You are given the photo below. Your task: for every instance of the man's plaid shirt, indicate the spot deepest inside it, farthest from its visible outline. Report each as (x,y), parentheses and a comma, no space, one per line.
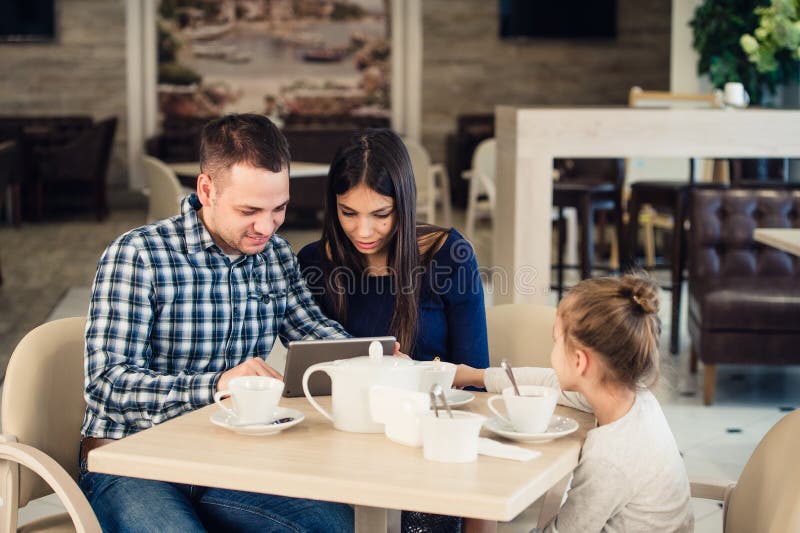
(169,313)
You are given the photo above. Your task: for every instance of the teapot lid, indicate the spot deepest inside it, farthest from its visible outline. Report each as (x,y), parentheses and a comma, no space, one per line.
(375,359)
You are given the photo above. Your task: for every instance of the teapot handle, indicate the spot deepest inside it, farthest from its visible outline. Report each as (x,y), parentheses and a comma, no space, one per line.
(319,367)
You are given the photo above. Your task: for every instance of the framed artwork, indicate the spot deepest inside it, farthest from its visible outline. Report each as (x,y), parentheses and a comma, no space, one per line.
(301,62)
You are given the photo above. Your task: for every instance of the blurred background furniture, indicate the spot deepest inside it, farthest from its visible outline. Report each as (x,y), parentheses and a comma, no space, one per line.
(433,184)
(766,494)
(11,174)
(590,186)
(744,297)
(164,190)
(42,411)
(178,140)
(481,198)
(32,133)
(471,129)
(659,195)
(77,166)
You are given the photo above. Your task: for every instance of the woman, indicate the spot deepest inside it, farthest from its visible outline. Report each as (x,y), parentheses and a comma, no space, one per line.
(378,272)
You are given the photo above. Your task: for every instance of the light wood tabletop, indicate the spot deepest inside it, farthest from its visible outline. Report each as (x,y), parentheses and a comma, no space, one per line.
(786,239)
(314,460)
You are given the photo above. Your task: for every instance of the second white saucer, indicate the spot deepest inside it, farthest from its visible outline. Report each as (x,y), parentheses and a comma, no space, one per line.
(559,427)
(456,398)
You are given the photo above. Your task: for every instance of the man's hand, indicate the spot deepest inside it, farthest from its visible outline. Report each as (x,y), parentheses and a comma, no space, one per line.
(252,367)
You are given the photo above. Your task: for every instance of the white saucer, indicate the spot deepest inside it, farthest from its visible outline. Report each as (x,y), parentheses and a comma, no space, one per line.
(228,421)
(559,426)
(456,398)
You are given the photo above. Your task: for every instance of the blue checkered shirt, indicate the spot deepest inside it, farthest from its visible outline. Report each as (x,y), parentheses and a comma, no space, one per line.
(170,312)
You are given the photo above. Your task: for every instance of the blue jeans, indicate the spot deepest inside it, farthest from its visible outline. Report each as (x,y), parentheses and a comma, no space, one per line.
(125,504)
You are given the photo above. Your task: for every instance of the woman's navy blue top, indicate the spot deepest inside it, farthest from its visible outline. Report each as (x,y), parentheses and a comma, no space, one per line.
(451,322)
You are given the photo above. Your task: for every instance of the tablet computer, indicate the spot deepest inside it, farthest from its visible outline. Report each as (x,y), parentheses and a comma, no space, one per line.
(303,354)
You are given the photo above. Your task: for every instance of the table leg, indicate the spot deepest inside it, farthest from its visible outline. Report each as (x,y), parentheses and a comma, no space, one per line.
(552,501)
(376,519)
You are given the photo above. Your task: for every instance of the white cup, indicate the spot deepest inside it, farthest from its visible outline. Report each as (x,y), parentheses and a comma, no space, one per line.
(436,372)
(735,95)
(255,399)
(451,440)
(530,412)
(399,410)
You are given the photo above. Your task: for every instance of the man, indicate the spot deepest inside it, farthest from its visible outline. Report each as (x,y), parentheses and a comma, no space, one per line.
(179,308)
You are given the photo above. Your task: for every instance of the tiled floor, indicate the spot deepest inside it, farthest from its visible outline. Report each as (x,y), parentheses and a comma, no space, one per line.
(716,441)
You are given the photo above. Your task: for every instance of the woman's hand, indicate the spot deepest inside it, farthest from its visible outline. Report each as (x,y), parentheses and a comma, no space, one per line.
(398,353)
(466,376)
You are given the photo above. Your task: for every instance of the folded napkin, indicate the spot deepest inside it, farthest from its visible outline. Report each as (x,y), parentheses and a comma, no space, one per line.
(492,448)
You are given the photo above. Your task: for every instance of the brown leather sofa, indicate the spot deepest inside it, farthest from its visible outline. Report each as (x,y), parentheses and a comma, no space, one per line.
(744,297)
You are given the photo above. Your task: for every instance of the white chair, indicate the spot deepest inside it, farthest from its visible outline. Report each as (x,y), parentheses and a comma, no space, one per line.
(42,411)
(164,188)
(766,496)
(481,183)
(433,184)
(521,333)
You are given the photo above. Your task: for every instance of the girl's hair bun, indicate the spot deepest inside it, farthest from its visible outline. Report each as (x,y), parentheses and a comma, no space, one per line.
(642,291)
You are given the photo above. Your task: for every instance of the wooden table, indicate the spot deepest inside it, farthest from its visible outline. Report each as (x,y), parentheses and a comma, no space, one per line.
(786,239)
(307,194)
(313,460)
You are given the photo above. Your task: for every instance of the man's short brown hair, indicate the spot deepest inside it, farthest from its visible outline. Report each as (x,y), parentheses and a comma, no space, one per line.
(245,138)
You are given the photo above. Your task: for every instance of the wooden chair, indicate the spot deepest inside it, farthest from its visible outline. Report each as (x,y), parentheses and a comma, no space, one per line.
(765,496)
(83,162)
(42,411)
(662,203)
(589,186)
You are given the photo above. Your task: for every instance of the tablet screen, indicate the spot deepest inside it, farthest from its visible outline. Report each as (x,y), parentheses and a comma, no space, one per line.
(303,354)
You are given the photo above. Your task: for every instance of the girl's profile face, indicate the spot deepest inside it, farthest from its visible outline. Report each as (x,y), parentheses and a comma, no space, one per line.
(560,359)
(367,218)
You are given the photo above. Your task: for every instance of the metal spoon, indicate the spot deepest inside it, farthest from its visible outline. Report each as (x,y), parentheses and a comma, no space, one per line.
(505,365)
(433,403)
(437,390)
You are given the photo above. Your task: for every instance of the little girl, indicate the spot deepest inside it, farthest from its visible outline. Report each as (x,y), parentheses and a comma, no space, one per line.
(630,476)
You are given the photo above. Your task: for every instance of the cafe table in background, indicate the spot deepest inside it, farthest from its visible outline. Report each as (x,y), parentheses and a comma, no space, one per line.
(314,460)
(786,239)
(306,183)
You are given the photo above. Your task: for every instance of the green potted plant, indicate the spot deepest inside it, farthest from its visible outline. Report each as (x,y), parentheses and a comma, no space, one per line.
(774,46)
(717,27)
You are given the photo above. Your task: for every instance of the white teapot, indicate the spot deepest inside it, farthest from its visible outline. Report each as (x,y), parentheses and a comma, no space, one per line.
(351,380)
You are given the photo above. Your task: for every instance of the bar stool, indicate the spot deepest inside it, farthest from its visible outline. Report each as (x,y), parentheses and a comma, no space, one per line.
(671,196)
(590,186)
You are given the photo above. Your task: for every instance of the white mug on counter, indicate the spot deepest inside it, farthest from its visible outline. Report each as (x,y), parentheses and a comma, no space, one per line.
(734,95)
(255,399)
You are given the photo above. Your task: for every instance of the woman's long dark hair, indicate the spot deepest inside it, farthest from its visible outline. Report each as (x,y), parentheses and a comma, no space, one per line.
(378,159)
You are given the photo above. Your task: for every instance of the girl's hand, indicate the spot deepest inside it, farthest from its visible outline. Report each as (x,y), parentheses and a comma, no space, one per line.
(466,376)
